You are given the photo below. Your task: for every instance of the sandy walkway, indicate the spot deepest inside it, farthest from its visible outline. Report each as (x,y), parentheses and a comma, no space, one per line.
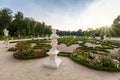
(65,48)
(13,69)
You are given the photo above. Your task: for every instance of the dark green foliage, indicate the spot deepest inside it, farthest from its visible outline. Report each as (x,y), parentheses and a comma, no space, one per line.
(30,56)
(5,19)
(65,54)
(25,51)
(44,46)
(68,41)
(106,61)
(70,33)
(86,56)
(116,27)
(21,26)
(94,65)
(12,49)
(83,55)
(91,56)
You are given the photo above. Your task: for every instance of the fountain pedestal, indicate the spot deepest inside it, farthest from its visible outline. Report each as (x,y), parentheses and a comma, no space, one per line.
(53,61)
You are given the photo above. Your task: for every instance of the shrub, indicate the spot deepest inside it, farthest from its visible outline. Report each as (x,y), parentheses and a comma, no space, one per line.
(106,61)
(91,56)
(100,64)
(30,56)
(65,54)
(117,43)
(25,51)
(23,46)
(12,49)
(45,47)
(68,41)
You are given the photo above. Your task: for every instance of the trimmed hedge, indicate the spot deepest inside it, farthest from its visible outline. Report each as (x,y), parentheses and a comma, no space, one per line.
(12,49)
(68,41)
(65,54)
(87,63)
(45,47)
(30,56)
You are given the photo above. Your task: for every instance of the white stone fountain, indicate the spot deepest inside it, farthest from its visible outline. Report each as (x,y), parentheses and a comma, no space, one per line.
(53,61)
(6,41)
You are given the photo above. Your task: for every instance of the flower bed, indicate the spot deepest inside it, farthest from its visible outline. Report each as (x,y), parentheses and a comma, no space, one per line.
(105,64)
(98,58)
(31,55)
(25,51)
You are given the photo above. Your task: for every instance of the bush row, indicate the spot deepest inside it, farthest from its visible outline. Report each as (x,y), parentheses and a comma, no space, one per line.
(87,63)
(30,56)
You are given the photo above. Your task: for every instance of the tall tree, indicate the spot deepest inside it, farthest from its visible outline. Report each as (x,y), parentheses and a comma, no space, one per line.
(116,27)
(38,29)
(89,32)
(105,31)
(33,24)
(18,23)
(5,19)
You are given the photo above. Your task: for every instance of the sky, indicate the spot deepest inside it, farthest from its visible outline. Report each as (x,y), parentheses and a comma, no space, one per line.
(67,14)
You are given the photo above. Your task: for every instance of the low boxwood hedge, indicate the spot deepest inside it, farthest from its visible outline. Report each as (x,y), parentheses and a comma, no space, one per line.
(84,61)
(32,56)
(65,54)
(12,49)
(44,46)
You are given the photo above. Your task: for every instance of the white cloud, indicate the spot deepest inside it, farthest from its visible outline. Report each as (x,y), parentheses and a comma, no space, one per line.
(100,13)
(95,14)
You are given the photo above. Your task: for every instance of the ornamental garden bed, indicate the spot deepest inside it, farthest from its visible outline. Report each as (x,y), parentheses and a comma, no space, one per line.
(104,63)
(97,57)
(24,50)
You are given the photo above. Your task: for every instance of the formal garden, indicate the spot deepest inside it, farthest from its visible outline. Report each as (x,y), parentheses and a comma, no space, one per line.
(93,53)
(35,50)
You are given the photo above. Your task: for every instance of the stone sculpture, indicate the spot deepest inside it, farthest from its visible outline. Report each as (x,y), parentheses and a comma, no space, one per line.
(53,61)
(6,33)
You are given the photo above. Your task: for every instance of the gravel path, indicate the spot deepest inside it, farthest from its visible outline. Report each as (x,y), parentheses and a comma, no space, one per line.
(13,69)
(65,48)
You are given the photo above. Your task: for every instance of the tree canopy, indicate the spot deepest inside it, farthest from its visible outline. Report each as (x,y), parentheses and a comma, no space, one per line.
(19,25)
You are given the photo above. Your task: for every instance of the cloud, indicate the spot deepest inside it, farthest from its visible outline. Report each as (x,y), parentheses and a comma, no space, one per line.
(100,13)
(68,15)
(96,14)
